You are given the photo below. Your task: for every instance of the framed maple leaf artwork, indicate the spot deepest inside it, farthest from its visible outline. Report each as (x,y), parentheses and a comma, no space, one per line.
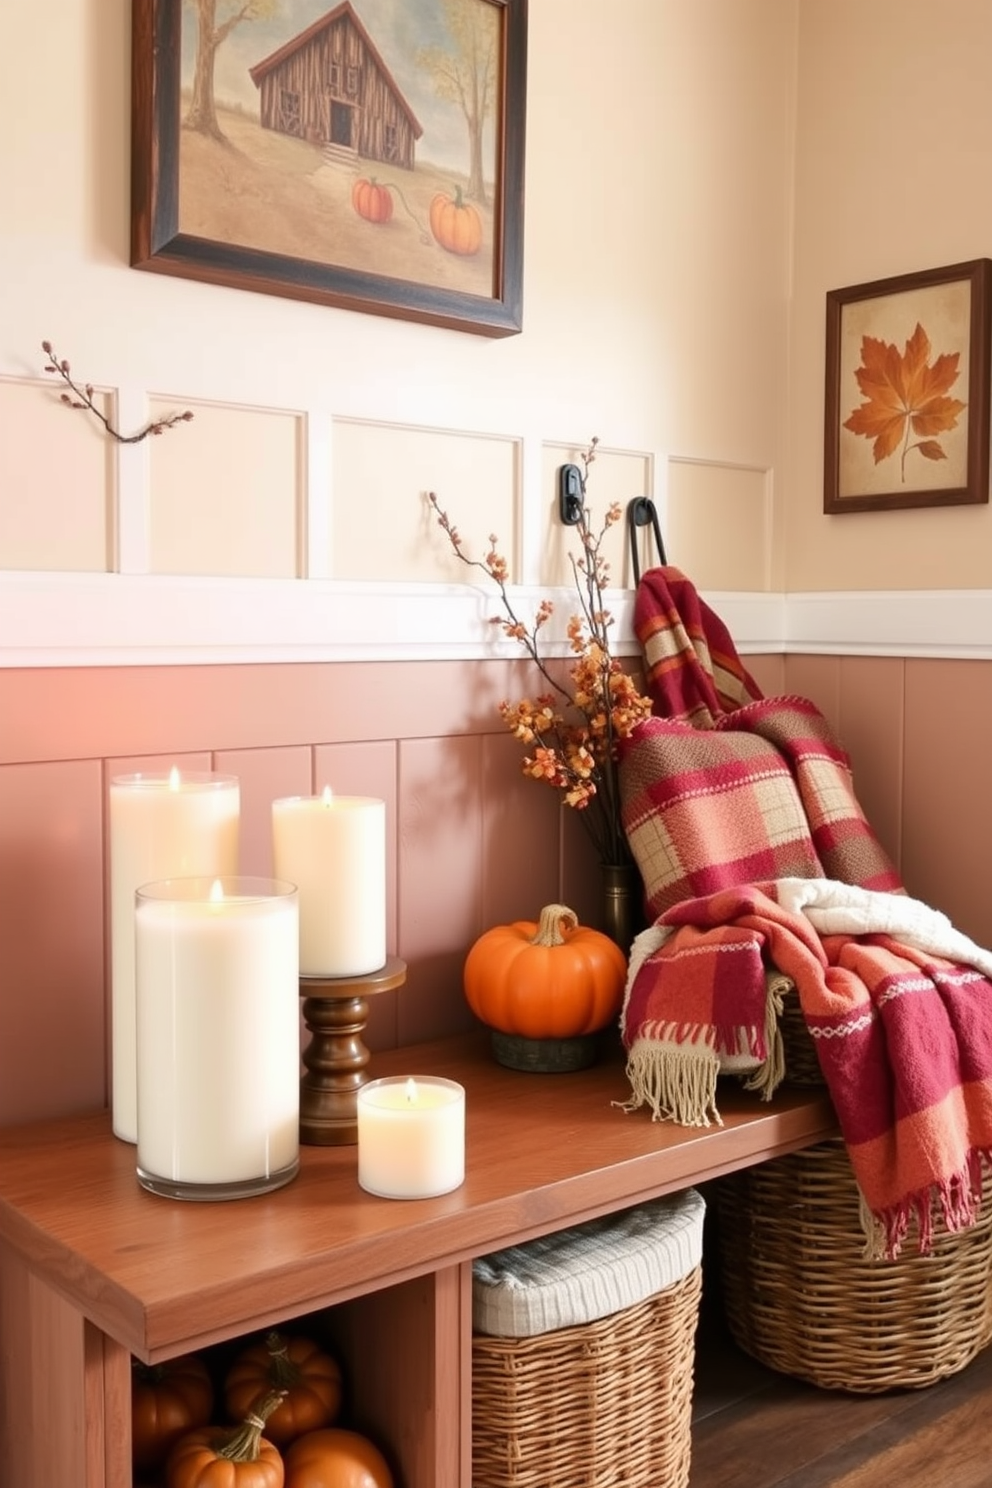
(907,390)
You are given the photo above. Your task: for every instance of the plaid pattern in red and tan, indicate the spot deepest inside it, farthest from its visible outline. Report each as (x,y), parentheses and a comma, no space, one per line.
(842,837)
(693,671)
(705,810)
(904,1037)
(701,816)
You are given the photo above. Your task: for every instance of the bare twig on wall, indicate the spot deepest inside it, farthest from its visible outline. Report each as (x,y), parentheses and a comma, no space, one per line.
(81,396)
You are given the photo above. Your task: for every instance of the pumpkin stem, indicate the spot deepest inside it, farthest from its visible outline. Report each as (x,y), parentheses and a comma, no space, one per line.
(283,1373)
(243,1443)
(553,917)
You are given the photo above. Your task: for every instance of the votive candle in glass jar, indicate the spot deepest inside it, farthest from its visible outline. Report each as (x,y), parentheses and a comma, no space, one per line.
(176,825)
(217,1036)
(411,1136)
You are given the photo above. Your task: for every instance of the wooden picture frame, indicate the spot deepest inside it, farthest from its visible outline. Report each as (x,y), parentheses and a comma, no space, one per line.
(907,391)
(293,168)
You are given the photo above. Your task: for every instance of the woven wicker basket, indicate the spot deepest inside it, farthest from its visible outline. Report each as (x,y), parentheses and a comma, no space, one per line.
(799,1297)
(592,1406)
(802,1066)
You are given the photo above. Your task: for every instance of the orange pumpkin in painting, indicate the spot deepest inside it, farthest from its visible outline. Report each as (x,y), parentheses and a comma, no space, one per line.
(372,201)
(455,223)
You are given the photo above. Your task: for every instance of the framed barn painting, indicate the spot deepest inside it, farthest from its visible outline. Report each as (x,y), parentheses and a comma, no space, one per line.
(907,391)
(367,154)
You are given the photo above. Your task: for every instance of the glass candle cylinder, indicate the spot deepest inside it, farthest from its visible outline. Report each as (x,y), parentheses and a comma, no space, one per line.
(411,1136)
(177,825)
(334,849)
(217,1036)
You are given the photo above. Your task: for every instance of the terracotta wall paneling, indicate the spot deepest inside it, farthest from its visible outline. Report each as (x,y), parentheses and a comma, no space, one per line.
(947,799)
(53,1014)
(471,841)
(86,712)
(873,730)
(264,776)
(581,877)
(440,880)
(768,672)
(520,858)
(817,678)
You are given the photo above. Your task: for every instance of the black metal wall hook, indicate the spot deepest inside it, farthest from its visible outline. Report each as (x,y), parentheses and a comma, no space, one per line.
(640,511)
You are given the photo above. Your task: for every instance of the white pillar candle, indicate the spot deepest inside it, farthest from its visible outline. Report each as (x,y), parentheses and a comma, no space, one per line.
(411,1136)
(218,1050)
(334,849)
(161,826)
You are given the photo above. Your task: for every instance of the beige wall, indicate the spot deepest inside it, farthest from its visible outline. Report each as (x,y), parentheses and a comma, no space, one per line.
(893,146)
(692,192)
(657,203)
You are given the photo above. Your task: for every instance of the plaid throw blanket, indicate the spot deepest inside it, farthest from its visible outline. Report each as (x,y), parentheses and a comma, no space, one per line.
(898,1002)
(724,786)
(693,671)
(766,794)
(842,838)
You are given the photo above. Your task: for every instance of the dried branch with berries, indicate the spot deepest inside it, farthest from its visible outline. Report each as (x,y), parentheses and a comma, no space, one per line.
(80,395)
(572,732)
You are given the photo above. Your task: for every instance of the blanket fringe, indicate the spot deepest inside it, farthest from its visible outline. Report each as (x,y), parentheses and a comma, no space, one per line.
(769,1075)
(957,1202)
(876,1238)
(677,1082)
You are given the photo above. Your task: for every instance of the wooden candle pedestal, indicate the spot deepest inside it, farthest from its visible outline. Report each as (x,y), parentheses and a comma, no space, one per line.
(336,1011)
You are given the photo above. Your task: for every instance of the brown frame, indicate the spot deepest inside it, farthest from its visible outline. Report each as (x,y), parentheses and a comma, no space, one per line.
(956,300)
(159,246)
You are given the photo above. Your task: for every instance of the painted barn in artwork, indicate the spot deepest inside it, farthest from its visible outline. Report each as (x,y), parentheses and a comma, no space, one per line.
(330,85)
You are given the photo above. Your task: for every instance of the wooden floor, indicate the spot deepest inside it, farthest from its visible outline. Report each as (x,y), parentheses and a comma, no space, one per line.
(753,1428)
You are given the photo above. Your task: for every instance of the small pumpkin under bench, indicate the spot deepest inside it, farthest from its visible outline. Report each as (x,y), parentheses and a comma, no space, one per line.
(545,989)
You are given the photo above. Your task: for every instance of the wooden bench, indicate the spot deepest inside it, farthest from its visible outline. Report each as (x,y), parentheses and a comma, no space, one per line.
(94,1270)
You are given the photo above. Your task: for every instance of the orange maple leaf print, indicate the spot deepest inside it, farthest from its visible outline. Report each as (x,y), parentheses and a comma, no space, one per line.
(905,397)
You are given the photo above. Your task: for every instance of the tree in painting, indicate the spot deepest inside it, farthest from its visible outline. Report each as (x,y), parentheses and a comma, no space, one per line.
(211,32)
(469,75)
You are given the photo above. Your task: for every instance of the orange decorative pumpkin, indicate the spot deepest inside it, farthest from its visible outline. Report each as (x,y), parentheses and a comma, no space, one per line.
(229,1456)
(372,201)
(309,1378)
(167,1400)
(336,1459)
(554,979)
(455,223)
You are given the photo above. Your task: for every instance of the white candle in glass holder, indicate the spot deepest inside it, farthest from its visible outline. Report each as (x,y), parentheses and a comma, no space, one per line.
(334,849)
(218,1055)
(411,1136)
(173,825)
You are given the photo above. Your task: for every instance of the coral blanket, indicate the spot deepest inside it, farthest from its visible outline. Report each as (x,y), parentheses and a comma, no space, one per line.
(899,1005)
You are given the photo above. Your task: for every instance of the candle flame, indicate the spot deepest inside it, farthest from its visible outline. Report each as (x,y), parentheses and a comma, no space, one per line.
(174,778)
(216,892)
(411,1091)
(327,796)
